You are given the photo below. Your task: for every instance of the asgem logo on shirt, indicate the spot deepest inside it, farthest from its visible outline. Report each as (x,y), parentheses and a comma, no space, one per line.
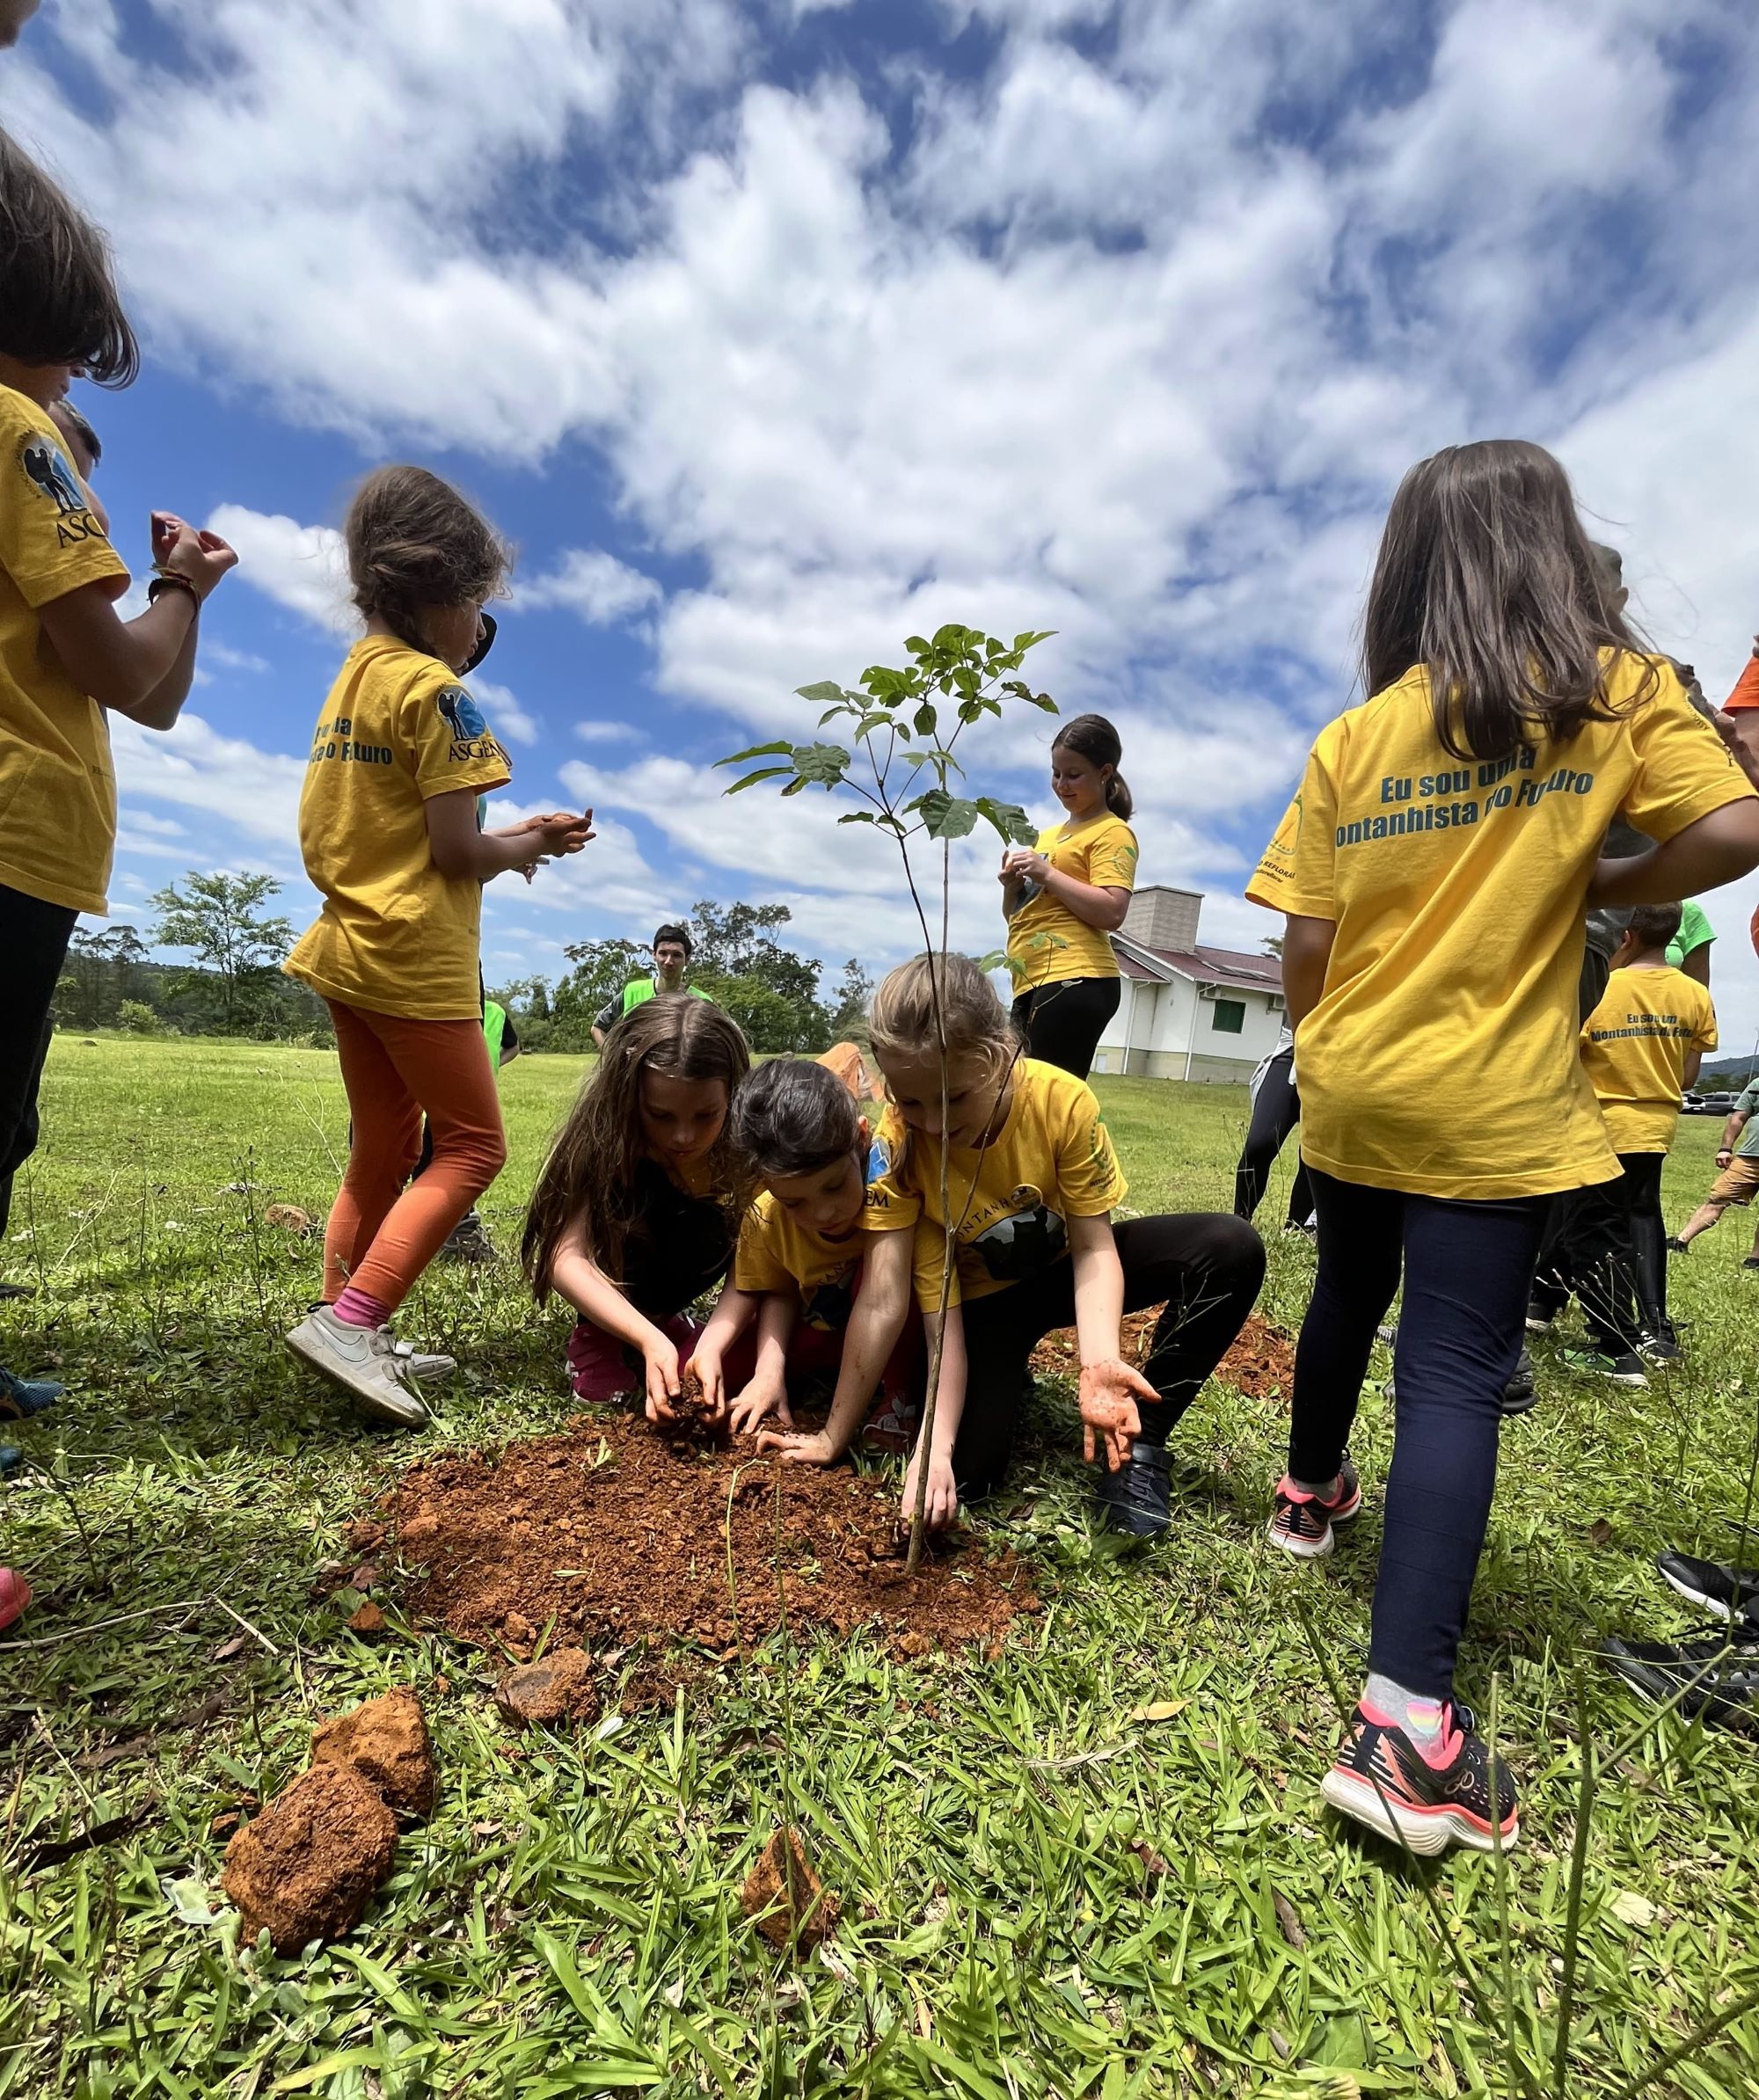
(51,477)
(471,737)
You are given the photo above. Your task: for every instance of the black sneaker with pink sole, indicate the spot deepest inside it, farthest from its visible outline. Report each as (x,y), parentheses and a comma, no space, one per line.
(1301,1523)
(1382,1780)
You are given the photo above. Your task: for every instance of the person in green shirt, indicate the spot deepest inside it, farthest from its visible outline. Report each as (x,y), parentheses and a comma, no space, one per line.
(671,951)
(1690,949)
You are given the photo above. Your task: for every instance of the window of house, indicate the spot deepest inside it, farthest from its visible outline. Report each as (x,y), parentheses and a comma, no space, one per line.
(1229,1017)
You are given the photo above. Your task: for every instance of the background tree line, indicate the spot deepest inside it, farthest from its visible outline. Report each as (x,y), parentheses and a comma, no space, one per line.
(776,995)
(234,986)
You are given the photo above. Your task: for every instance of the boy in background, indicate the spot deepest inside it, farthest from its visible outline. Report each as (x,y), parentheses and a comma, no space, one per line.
(1641,1047)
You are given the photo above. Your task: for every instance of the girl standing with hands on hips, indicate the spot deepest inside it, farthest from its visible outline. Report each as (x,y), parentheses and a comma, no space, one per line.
(1435,867)
(1065,896)
(389,826)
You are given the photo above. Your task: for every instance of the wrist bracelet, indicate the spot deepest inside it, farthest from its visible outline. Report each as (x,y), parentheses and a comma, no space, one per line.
(168,579)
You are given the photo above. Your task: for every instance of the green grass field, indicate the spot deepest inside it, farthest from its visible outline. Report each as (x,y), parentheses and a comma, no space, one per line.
(1041,1896)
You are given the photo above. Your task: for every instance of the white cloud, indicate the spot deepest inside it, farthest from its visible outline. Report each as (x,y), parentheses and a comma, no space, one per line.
(506,717)
(194,766)
(227,659)
(301,566)
(608,732)
(593,584)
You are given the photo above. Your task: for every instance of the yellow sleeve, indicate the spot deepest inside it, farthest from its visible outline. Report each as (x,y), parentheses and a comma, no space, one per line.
(1089,1180)
(1112,864)
(1705,1036)
(928,1258)
(50,542)
(1294,874)
(891,1203)
(450,745)
(757,1266)
(1684,771)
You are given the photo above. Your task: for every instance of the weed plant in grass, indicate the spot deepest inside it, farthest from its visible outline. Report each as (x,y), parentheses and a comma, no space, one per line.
(1041,1894)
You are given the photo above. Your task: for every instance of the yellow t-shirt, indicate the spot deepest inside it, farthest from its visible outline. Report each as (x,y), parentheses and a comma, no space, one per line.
(1441,1060)
(57,785)
(776,1252)
(1052,1160)
(395,936)
(1047,942)
(1634,1049)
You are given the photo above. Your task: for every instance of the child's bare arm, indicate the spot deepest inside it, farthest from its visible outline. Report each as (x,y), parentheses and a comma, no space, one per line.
(871,1335)
(459,848)
(1306,951)
(575,1276)
(942,1505)
(734,1311)
(1111,1389)
(768,1391)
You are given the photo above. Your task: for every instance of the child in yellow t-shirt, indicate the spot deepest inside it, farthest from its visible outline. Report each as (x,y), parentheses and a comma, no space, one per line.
(1435,866)
(1064,898)
(389,830)
(1641,1048)
(797,1275)
(1031,1182)
(65,657)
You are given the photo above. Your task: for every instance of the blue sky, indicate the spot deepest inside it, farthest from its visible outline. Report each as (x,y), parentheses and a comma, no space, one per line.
(774,332)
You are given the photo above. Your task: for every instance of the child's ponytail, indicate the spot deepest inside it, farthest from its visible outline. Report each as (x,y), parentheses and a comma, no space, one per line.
(1092,737)
(1486,578)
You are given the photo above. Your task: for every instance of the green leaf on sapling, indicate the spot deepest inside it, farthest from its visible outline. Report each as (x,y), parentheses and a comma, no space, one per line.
(821,764)
(948,816)
(926,720)
(762,773)
(859,816)
(823,693)
(779,750)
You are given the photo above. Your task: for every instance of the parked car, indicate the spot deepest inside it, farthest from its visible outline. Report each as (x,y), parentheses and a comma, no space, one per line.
(1708,1104)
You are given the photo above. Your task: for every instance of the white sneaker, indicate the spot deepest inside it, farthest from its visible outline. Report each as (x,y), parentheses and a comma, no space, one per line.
(420,1364)
(364,1360)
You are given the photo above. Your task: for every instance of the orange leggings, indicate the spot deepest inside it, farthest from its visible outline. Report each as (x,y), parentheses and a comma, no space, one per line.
(384,1228)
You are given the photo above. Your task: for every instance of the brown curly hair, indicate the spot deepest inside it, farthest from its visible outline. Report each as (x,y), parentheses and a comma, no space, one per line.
(413,540)
(589,1178)
(58,300)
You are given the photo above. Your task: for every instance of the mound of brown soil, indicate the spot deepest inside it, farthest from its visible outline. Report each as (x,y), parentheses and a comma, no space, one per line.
(1261,1363)
(386,1739)
(612,1532)
(307,1866)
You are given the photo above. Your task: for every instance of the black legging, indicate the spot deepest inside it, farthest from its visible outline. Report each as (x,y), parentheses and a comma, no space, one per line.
(1467,1269)
(1060,1024)
(1204,1268)
(34,937)
(1276,1109)
(1595,1245)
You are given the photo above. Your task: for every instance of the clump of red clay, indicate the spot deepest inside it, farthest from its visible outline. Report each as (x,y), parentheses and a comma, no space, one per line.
(785,1900)
(307,1866)
(615,1533)
(1261,1363)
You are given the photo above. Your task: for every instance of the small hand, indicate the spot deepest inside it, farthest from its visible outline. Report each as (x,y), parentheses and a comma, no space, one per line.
(706,1365)
(561,832)
(1024,864)
(796,1450)
(757,1402)
(1110,1390)
(662,1379)
(942,1504)
(180,549)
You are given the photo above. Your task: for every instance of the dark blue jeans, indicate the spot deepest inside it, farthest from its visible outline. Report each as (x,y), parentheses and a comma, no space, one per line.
(1467,1268)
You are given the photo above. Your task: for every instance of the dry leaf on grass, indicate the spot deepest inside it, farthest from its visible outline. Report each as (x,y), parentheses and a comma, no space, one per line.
(1163,1709)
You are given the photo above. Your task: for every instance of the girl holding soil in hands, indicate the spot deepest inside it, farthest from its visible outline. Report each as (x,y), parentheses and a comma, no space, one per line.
(1032,1181)
(389,826)
(638,1209)
(1064,897)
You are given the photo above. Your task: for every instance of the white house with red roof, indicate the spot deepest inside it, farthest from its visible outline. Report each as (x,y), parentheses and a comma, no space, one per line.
(1188,1010)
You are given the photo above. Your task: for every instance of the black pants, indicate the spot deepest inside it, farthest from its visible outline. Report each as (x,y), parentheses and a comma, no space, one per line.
(1467,1270)
(1062,1024)
(1276,1109)
(1593,1246)
(1207,1270)
(33,939)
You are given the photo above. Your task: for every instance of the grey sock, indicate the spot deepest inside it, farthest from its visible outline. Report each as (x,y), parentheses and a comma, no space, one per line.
(1325,1490)
(1417,1716)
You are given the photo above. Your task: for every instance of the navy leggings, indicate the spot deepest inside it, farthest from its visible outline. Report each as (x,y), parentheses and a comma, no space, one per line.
(1467,1268)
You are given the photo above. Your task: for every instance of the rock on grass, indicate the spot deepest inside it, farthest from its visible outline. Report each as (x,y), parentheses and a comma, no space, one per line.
(784,1898)
(559,1688)
(307,1866)
(386,1740)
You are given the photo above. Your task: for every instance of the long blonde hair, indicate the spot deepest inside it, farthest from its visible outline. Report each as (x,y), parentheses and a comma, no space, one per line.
(976,1022)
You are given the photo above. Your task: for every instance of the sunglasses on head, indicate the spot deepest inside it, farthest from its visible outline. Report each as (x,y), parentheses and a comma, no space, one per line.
(483,646)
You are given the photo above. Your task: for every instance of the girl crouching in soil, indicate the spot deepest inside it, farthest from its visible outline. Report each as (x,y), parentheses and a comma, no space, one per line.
(800,1267)
(637,1211)
(1031,1182)
(391,834)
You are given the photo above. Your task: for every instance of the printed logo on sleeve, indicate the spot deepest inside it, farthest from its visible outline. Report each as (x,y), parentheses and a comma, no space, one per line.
(46,470)
(471,736)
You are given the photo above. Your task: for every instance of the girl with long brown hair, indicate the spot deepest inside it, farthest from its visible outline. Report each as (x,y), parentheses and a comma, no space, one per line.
(1434,867)
(1066,895)
(638,1209)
